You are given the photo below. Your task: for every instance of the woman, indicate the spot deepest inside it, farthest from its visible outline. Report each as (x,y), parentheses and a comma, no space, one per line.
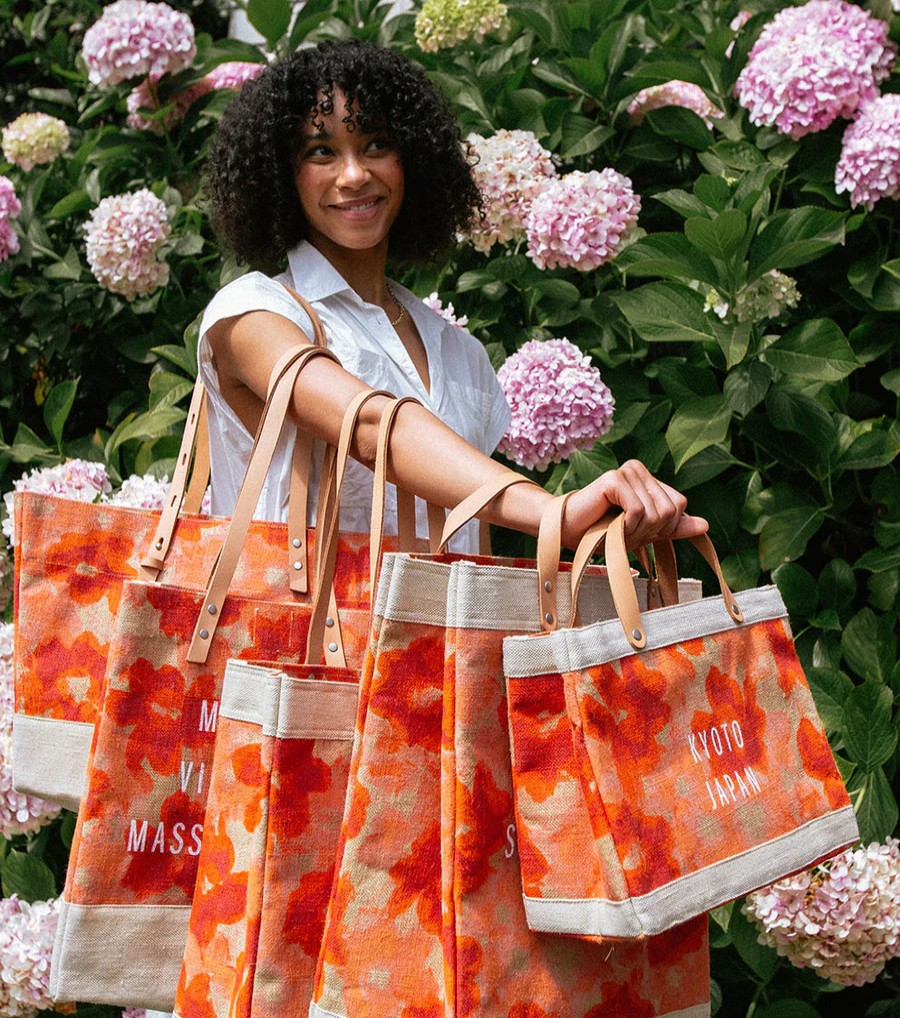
(337,159)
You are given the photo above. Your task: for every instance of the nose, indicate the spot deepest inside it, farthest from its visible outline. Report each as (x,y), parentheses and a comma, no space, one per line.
(352,172)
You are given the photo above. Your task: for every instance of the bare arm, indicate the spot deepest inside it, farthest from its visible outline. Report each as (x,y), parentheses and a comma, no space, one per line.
(427,457)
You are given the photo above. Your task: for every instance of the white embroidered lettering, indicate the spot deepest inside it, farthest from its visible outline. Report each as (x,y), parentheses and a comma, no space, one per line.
(752,779)
(187,769)
(510,850)
(723,798)
(177,846)
(738,734)
(159,839)
(711,797)
(692,743)
(716,741)
(137,837)
(745,791)
(730,785)
(200,778)
(196,838)
(727,736)
(209,715)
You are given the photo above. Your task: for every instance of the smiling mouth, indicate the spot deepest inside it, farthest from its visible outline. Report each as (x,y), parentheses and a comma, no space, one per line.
(358,206)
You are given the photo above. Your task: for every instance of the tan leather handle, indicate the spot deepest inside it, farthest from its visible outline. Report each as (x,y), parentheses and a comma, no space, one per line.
(199,482)
(326,533)
(271,423)
(622,587)
(548,549)
(473,504)
(194,428)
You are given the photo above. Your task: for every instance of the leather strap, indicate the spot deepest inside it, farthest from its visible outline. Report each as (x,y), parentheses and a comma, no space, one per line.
(155,556)
(548,549)
(591,540)
(193,499)
(326,533)
(271,423)
(437,517)
(473,504)
(622,587)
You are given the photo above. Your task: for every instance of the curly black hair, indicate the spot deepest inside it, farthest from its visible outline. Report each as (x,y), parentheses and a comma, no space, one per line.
(249,173)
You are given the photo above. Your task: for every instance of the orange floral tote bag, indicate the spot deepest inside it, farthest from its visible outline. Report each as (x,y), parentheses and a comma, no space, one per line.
(702,756)
(273,817)
(71,560)
(134,855)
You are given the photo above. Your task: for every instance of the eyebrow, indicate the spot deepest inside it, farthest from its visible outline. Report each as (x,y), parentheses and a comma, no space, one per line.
(316,136)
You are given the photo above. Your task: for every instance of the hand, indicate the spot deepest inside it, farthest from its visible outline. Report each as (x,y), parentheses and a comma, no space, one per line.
(652,509)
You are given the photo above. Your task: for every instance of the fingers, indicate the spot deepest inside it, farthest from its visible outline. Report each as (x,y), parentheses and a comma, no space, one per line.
(653,510)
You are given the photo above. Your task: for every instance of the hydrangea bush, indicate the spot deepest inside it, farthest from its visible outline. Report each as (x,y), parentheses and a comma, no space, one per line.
(699,197)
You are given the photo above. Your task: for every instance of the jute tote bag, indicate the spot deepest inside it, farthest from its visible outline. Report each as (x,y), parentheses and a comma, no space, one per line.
(562,855)
(133,864)
(703,754)
(273,818)
(71,560)
(426,914)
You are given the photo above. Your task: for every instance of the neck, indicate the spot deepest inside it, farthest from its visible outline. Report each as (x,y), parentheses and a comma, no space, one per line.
(363,270)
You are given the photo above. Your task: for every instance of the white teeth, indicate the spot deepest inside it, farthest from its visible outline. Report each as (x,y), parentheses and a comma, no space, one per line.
(359,208)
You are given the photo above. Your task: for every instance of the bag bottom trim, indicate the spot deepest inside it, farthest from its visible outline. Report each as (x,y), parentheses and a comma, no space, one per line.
(696,1011)
(50,758)
(125,955)
(704,889)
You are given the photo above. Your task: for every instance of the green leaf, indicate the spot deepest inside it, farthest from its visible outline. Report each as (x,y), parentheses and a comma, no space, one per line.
(719,237)
(745,936)
(876,807)
(179,356)
(785,534)
(28,446)
(668,312)
(798,588)
(869,645)
(869,736)
(681,125)
(67,828)
(816,350)
(877,560)
(57,407)
(795,237)
(891,381)
(74,201)
(167,389)
(875,448)
(28,877)
(585,143)
(145,427)
(681,202)
(473,281)
(713,191)
(667,254)
(587,465)
(68,267)
(270,18)
(746,386)
(829,689)
(837,585)
(696,425)
(558,289)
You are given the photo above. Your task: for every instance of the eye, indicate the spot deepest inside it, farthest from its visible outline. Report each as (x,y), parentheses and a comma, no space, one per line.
(317,151)
(381,143)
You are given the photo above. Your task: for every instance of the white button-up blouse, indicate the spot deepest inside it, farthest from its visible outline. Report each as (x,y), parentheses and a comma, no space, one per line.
(464,394)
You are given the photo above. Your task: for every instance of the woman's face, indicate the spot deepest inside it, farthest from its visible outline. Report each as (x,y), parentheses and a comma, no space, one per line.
(350,182)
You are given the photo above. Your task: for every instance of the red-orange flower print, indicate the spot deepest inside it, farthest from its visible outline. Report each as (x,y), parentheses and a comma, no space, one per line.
(410,690)
(305,914)
(645,838)
(301,774)
(621,1001)
(85,563)
(56,668)
(818,762)
(483,816)
(417,880)
(734,700)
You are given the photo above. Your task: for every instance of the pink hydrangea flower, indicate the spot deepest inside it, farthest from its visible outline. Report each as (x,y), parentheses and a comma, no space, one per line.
(34,139)
(234,74)
(124,235)
(581,220)
(9,242)
(10,206)
(841,919)
(511,169)
(78,479)
(674,93)
(19,813)
(813,64)
(134,1012)
(447,312)
(558,400)
(869,166)
(26,944)
(135,38)
(147,492)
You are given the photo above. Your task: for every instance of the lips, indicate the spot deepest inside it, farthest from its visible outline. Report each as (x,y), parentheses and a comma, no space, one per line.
(358,206)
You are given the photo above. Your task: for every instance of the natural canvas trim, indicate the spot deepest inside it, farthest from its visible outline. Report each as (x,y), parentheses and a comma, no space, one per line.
(126,955)
(50,758)
(571,650)
(697,892)
(415,591)
(287,707)
(697,1011)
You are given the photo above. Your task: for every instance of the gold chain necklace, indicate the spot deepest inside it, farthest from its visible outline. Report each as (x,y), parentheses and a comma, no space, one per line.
(399,317)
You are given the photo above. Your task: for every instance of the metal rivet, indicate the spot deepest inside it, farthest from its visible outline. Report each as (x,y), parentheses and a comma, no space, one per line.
(548,586)
(329,621)
(297,542)
(159,542)
(735,609)
(204,634)
(313,678)
(212,609)
(636,633)
(298,566)
(549,617)
(332,647)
